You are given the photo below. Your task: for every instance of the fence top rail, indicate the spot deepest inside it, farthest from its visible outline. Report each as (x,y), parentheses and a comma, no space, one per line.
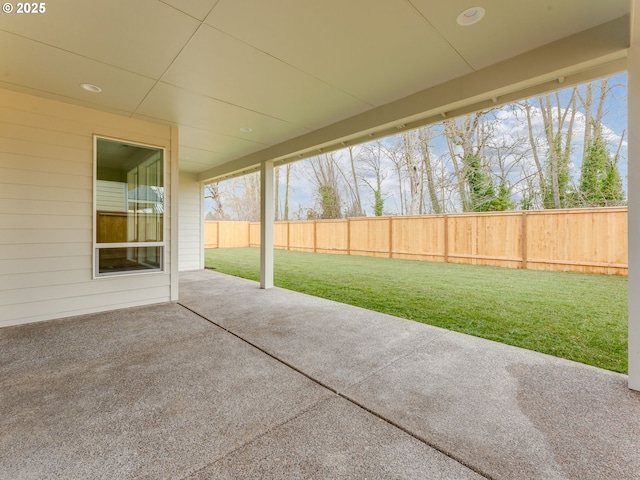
(559,211)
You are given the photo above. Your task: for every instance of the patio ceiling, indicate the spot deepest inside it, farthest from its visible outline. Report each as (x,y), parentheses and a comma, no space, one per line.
(248,81)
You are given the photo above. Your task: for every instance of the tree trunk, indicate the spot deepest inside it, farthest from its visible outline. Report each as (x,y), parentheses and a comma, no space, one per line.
(534,150)
(286,192)
(358,203)
(425,137)
(412,172)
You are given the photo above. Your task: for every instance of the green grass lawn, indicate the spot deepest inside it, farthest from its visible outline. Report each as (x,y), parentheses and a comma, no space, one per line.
(576,316)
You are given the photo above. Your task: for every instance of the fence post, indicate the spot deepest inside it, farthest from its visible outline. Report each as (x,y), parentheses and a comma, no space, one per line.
(315,236)
(445,218)
(524,239)
(348,236)
(390,237)
(218,234)
(288,235)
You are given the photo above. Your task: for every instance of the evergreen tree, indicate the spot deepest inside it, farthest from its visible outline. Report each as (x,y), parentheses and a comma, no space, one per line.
(329,201)
(612,185)
(482,193)
(378,205)
(556,192)
(600,183)
(502,201)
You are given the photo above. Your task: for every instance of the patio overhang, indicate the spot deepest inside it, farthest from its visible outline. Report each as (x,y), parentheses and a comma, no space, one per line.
(279,80)
(585,56)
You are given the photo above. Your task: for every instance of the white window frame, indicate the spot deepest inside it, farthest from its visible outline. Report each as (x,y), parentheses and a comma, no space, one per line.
(97,246)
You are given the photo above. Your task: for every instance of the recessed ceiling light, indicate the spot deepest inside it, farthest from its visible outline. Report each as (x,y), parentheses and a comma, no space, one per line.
(246,129)
(470,16)
(89,87)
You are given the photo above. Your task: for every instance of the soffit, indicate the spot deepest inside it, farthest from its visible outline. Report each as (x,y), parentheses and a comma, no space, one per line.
(218,66)
(513,27)
(141,36)
(376,51)
(198,9)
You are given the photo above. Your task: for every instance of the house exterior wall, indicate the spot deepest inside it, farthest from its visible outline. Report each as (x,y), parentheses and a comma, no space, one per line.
(46,211)
(191,229)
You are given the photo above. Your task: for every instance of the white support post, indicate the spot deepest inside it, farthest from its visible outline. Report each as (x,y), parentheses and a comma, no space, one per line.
(633,81)
(267,211)
(174,187)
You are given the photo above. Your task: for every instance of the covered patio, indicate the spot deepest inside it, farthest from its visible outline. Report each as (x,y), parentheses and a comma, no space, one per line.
(234,381)
(121,357)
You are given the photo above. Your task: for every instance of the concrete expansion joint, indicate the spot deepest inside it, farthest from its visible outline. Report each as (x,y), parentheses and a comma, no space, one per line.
(304,411)
(266,352)
(418,437)
(344,396)
(400,357)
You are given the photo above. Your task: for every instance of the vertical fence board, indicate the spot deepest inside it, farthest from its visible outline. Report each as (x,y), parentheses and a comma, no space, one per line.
(211,230)
(370,236)
(301,236)
(280,235)
(331,236)
(419,238)
(254,234)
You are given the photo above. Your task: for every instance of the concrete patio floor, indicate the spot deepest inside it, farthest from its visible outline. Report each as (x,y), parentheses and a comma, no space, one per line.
(237,382)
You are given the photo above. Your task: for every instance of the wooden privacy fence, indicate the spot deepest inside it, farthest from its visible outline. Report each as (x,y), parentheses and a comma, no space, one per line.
(577,240)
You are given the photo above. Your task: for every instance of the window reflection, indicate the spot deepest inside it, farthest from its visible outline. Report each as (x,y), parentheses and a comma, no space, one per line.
(129,207)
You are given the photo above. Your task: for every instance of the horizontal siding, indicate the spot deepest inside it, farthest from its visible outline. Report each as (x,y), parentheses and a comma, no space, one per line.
(20,206)
(36,251)
(55,194)
(190,229)
(39,278)
(71,119)
(45,237)
(43,136)
(17,176)
(45,264)
(42,150)
(40,164)
(54,221)
(70,306)
(20,296)
(46,211)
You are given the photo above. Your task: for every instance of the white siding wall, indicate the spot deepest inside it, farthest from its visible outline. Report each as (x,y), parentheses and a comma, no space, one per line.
(46,211)
(191,223)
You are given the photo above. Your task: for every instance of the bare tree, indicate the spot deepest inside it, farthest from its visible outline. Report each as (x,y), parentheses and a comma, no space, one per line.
(244,197)
(413,170)
(469,134)
(558,131)
(394,151)
(357,204)
(371,156)
(287,179)
(424,137)
(542,183)
(212,191)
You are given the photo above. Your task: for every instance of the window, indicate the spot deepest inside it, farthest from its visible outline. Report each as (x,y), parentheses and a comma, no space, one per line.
(129,208)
